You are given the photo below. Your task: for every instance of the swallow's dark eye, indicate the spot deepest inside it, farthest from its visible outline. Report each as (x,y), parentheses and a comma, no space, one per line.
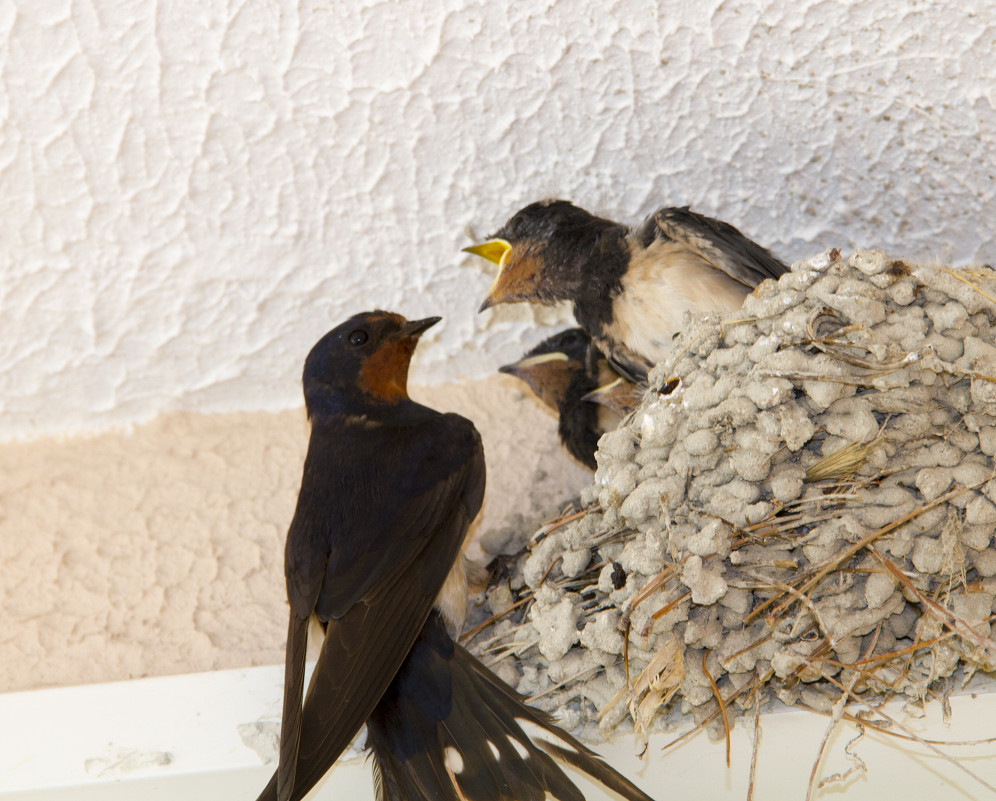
(358,337)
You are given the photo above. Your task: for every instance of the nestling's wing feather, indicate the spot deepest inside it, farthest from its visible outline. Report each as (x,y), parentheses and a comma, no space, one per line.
(720,244)
(631,366)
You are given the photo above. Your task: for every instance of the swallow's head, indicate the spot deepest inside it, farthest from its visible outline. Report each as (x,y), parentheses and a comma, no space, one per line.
(554,368)
(541,252)
(368,355)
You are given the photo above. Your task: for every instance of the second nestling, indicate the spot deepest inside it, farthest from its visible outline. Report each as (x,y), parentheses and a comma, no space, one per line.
(572,377)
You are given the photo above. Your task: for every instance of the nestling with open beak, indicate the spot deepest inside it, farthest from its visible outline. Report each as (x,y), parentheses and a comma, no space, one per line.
(629,287)
(388,492)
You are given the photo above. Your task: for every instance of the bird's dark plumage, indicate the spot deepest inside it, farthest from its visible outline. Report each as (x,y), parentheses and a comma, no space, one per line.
(629,287)
(563,370)
(448,729)
(388,492)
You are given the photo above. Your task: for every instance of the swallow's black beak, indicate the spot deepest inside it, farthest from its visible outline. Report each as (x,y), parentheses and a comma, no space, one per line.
(413,329)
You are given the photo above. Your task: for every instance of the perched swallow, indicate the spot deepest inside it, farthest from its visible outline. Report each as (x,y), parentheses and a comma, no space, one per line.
(629,287)
(388,492)
(564,371)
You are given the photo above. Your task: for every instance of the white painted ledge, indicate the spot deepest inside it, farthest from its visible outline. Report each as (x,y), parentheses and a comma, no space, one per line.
(178,737)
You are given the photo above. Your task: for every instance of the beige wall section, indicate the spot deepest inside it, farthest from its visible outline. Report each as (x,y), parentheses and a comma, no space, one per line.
(160,550)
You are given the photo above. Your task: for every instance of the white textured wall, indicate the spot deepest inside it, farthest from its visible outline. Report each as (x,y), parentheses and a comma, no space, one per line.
(192,192)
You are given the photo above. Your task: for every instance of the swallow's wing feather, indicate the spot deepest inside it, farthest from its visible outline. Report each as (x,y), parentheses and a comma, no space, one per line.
(631,366)
(719,243)
(290,722)
(305,562)
(370,501)
(406,544)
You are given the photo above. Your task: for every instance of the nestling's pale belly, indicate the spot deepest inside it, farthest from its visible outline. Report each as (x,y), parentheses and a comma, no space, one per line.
(664,282)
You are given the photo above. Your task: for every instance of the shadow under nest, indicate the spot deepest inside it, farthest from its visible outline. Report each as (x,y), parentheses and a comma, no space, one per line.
(807,515)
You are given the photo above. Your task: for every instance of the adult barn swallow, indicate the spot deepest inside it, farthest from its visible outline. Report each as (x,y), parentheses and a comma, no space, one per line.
(563,371)
(629,287)
(388,491)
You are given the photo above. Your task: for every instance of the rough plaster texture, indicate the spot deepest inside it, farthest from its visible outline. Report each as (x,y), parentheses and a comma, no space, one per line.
(192,192)
(161,551)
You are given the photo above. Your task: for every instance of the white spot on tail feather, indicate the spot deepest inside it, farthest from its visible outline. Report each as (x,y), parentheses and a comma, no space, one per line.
(494,750)
(453,760)
(520,749)
(539,734)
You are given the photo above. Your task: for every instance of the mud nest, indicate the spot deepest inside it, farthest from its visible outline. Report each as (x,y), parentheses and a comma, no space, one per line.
(802,507)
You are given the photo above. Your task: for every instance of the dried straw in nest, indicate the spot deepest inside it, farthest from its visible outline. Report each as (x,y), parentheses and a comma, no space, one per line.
(809,514)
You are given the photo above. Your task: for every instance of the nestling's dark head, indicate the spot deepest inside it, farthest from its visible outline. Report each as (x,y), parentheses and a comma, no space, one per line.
(546,219)
(541,252)
(553,367)
(365,358)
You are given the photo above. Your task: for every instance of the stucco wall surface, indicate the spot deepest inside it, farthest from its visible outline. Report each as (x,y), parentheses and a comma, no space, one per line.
(192,192)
